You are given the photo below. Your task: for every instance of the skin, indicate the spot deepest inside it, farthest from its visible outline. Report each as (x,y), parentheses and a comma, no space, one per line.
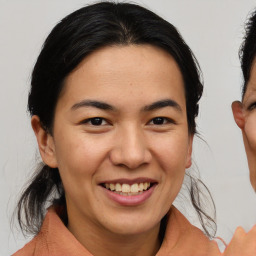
(128,144)
(242,243)
(245,116)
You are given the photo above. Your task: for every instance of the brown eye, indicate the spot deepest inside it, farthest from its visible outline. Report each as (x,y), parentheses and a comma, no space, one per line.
(159,120)
(95,121)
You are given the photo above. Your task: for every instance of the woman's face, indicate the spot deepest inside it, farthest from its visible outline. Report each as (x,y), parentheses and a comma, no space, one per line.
(120,139)
(245,116)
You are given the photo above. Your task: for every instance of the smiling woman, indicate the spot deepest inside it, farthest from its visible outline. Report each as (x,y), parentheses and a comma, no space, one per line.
(114,97)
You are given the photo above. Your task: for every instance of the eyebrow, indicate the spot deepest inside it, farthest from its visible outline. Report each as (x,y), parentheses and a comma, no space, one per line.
(105,106)
(93,103)
(162,104)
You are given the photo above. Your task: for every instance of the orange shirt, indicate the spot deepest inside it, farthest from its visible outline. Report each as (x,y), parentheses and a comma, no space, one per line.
(181,239)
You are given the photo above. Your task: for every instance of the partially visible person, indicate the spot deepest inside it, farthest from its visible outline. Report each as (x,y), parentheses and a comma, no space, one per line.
(242,243)
(245,111)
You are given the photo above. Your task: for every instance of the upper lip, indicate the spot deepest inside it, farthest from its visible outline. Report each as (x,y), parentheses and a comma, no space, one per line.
(129,181)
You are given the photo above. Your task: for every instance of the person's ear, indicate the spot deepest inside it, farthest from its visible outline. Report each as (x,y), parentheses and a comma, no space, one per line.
(45,143)
(237,108)
(189,155)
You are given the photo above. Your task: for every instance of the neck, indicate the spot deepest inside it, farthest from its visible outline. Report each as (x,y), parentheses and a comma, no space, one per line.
(101,242)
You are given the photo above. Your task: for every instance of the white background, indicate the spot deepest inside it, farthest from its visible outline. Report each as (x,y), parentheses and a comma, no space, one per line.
(212,28)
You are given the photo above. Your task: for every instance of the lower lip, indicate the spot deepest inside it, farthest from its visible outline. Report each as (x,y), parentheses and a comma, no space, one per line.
(130,200)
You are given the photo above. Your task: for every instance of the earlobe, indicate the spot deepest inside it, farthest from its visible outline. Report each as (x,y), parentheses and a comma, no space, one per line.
(237,108)
(45,143)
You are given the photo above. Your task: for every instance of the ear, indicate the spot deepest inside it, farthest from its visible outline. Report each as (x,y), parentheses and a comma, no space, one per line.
(45,143)
(189,155)
(237,108)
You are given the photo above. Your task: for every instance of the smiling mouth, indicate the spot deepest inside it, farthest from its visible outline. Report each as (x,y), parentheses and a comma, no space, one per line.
(128,190)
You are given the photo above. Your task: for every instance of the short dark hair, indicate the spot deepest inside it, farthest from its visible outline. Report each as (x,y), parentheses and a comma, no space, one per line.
(71,40)
(247,50)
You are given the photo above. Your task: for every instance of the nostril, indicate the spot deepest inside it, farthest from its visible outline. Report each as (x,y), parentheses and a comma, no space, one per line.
(130,151)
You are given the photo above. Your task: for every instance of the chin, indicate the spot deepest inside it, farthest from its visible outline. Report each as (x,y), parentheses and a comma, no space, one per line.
(132,226)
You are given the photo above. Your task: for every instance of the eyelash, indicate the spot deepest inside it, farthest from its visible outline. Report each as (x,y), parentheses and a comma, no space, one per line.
(96,119)
(252,106)
(99,120)
(164,120)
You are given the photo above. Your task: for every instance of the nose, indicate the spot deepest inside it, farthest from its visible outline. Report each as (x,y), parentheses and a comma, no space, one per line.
(130,149)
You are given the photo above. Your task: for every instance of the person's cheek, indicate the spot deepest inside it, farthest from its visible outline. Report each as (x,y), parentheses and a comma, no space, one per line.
(250,131)
(250,146)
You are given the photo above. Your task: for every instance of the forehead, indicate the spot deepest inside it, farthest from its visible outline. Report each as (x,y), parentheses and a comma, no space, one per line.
(126,72)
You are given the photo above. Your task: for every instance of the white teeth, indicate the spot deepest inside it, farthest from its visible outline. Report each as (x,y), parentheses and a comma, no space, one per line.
(127,189)
(112,187)
(135,188)
(118,187)
(141,187)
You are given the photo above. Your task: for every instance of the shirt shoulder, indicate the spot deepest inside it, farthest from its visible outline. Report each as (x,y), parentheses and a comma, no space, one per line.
(27,250)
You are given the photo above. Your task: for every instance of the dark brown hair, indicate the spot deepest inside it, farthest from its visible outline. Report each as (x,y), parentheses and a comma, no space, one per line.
(247,50)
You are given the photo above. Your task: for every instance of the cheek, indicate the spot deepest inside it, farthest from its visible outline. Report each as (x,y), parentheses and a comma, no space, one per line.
(78,156)
(172,154)
(79,159)
(250,130)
